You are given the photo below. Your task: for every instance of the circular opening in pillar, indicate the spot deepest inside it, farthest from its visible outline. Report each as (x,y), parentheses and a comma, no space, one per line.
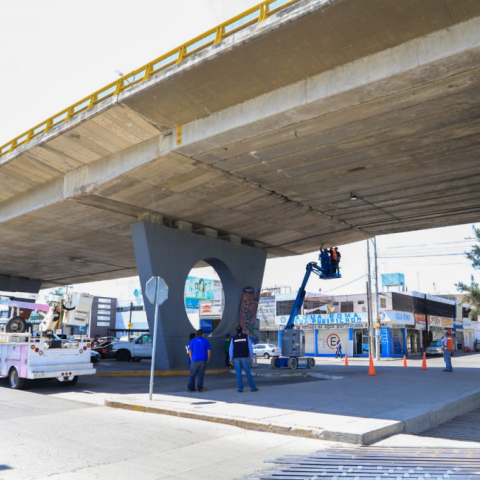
(204,298)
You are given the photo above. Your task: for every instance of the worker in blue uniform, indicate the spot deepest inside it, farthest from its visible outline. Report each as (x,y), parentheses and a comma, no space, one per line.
(325,262)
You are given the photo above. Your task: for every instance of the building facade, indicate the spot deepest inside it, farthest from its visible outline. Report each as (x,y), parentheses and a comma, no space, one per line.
(404,324)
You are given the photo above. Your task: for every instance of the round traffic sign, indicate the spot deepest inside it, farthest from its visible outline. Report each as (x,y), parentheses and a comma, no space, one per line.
(332,341)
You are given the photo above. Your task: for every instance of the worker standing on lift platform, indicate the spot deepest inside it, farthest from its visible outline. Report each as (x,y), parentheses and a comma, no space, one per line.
(325,262)
(335,256)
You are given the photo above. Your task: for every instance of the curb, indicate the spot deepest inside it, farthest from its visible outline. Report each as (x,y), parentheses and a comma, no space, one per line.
(351,433)
(304,432)
(157,373)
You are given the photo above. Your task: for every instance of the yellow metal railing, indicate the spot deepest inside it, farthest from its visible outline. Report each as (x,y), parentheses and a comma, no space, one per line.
(211,37)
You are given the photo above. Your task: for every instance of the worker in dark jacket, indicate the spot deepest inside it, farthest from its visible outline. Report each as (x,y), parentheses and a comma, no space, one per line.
(241,356)
(325,262)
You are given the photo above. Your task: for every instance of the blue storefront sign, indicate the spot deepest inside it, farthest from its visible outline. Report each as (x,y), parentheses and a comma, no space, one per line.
(325,319)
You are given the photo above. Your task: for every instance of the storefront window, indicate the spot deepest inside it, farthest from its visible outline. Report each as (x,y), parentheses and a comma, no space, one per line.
(396,335)
(360,342)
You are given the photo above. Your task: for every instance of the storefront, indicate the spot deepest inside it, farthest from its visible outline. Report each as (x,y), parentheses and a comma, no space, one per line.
(468,333)
(435,328)
(398,337)
(323,332)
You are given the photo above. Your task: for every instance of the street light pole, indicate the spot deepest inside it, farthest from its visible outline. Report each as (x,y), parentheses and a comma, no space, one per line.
(377,306)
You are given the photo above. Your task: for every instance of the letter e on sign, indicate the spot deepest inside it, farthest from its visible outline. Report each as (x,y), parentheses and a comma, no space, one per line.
(332,341)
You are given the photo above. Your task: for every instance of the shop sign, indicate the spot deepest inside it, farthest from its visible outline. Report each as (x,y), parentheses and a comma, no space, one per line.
(403,318)
(441,322)
(433,321)
(211,309)
(330,327)
(325,319)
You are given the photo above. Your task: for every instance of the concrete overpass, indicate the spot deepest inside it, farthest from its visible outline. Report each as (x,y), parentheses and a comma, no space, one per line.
(259,138)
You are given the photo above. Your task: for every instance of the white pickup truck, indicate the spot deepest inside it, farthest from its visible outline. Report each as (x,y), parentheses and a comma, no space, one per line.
(134,351)
(26,357)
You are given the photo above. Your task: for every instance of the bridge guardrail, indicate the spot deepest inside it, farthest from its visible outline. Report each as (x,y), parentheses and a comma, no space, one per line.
(211,37)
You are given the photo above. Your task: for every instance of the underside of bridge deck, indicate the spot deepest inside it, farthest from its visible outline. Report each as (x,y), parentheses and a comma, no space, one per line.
(262,140)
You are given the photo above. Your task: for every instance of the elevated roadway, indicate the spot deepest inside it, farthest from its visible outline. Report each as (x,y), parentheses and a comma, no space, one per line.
(296,124)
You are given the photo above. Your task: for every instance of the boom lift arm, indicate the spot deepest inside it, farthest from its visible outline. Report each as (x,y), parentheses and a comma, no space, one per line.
(293,341)
(312,267)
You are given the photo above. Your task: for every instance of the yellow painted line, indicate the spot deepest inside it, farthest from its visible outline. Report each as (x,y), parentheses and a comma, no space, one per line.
(158,373)
(142,74)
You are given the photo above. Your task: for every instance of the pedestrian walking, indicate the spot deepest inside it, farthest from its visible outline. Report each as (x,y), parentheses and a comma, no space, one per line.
(227,350)
(241,356)
(199,352)
(338,353)
(447,347)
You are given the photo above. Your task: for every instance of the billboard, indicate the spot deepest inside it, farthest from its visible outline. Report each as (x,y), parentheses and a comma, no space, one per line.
(197,289)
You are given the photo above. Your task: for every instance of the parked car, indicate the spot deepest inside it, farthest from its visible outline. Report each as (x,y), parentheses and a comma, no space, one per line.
(102,349)
(267,350)
(435,348)
(95,357)
(134,350)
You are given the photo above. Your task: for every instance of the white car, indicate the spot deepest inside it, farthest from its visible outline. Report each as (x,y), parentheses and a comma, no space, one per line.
(267,350)
(135,350)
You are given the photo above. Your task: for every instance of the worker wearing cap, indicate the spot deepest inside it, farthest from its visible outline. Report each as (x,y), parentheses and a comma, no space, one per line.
(447,347)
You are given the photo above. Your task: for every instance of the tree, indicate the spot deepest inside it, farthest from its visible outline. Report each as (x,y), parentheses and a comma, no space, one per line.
(472,291)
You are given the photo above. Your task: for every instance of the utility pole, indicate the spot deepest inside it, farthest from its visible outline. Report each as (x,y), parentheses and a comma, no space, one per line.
(377,306)
(369,304)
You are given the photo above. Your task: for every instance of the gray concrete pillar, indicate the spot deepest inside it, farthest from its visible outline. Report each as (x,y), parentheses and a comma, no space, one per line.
(171,254)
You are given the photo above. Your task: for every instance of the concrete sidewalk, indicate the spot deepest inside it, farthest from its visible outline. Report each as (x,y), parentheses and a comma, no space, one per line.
(357,408)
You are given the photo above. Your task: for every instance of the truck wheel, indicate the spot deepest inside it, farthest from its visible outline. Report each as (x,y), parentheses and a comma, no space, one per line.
(292,363)
(266,355)
(15,381)
(123,356)
(311,362)
(273,362)
(16,325)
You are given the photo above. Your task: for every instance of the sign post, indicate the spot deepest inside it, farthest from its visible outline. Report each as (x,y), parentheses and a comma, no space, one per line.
(157,292)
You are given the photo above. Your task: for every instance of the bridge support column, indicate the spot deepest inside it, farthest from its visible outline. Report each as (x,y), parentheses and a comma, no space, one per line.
(171,254)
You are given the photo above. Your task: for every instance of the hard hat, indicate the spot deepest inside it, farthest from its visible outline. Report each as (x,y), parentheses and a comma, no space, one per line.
(449,332)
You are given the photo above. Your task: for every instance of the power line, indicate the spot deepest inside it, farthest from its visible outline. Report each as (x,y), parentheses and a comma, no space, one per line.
(430,244)
(345,284)
(426,255)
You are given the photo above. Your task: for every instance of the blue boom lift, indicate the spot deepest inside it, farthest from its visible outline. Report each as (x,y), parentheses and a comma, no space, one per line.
(293,341)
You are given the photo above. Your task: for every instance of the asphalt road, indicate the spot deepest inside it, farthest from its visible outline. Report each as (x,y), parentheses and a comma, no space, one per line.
(46,434)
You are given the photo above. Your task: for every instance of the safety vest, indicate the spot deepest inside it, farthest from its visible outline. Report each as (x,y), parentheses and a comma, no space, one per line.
(240,346)
(333,253)
(450,344)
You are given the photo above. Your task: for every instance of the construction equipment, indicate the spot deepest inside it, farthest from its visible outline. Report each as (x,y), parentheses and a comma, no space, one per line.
(293,341)
(27,355)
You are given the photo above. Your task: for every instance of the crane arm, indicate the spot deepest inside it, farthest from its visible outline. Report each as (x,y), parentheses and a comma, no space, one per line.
(312,267)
